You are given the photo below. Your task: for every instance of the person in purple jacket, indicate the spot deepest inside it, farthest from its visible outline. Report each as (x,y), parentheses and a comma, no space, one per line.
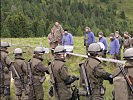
(67,38)
(104,41)
(89,37)
(114,46)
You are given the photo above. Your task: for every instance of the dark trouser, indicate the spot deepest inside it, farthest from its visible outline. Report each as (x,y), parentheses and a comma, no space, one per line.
(87,49)
(118,56)
(104,53)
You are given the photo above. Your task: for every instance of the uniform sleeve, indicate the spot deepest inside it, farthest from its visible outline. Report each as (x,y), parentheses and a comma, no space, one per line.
(100,72)
(42,68)
(25,67)
(64,73)
(8,61)
(117,46)
(61,29)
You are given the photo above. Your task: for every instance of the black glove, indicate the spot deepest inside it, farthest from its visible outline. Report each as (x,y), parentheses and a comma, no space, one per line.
(70,80)
(110,79)
(75,78)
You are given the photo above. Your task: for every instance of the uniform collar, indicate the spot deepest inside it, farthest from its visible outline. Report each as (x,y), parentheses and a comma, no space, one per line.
(38,58)
(19,57)
(94,58)
(4,51)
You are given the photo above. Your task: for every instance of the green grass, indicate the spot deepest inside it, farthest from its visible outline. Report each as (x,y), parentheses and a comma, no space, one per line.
(72,63)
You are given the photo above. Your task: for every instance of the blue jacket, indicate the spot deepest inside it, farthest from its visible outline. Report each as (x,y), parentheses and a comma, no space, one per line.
(114,46)
(91,38)
(67,39)
(104,41)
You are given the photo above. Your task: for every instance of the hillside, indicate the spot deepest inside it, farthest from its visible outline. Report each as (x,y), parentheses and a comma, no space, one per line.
(34,18)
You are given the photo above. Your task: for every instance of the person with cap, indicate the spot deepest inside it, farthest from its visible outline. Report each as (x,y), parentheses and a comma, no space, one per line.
(19,73)
(67,38)
(122,90)
(60,77)
(5,73)
(104,41)
(88,37)
(36,71)
(92,75)
(117,35)
(114,47)
(128,41)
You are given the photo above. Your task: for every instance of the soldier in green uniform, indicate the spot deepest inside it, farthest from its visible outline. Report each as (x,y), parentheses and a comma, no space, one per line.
(19,73)
(121,88)
(5,73)
(95,75)
(60,77)
(128,41)
(36,72)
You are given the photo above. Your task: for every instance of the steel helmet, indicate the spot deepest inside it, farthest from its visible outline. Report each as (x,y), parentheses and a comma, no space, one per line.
(18,51)
(128,53)
(39,50)
(59,50)
(101,45)
(46,50)
(94,47)
(4,44)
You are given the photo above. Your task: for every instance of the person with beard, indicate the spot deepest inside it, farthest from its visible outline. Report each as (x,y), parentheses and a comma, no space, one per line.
(104,41)
(117,35)
(128,41)
(114,46)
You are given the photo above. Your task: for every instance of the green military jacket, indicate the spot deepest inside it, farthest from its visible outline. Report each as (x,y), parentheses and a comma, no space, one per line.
(60,73)
(122,91)
(20,66)
(38,70)
(95,73)
(6,62)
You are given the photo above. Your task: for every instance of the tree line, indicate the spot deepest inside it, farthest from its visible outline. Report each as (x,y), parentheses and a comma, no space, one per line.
(34,18)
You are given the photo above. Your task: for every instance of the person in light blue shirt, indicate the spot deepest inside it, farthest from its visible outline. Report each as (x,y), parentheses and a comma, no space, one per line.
(67,38)
(104,41)
(114,46)
(89,37)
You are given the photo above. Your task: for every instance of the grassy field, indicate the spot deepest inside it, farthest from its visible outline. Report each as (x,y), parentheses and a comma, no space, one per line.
(71,63)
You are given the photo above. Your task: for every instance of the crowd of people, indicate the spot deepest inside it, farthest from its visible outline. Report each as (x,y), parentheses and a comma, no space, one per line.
(58,36)
(29,76)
